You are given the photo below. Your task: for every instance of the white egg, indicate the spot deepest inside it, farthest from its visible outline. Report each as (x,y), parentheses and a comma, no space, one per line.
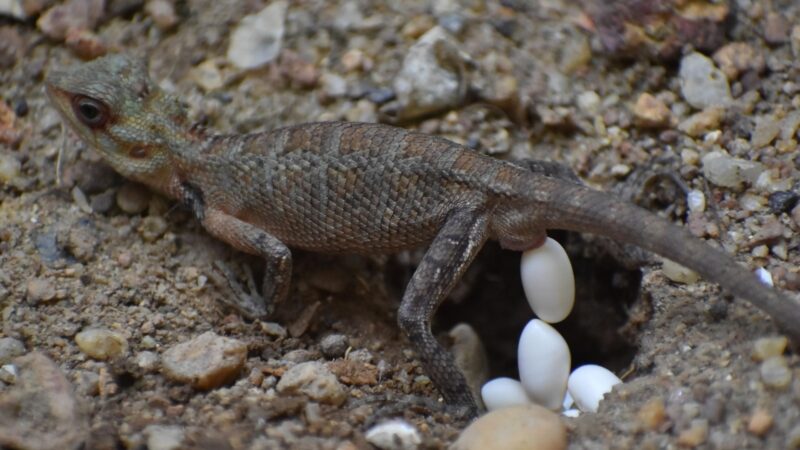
(548,281)
(544,360)
(503,392)
(588,384)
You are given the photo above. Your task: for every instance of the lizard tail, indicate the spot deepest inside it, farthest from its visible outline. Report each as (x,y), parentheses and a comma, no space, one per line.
(574,207)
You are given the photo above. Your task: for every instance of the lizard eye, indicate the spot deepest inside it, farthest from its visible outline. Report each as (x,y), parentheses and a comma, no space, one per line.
(90,112)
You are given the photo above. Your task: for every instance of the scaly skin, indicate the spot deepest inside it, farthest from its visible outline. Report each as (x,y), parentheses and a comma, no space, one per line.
(362,188)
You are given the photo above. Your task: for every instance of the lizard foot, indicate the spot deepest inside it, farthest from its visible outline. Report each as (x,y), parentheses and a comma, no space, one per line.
(463,412)
(248,303)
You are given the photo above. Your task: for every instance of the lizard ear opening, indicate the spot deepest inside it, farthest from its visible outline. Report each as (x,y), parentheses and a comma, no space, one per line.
(92,113)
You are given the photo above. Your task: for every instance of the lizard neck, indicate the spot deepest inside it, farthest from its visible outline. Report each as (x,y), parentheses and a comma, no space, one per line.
(170,162)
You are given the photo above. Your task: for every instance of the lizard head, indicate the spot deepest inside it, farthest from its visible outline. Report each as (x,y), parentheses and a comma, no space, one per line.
(114,106)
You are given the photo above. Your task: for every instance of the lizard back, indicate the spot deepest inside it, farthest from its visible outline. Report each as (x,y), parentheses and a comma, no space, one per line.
(345,187)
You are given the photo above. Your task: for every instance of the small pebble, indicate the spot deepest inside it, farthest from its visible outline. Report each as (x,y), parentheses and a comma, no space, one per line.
(162,12)
(782,201)
(775,372)
(13,8)
(529,427)
(762,251)
(776,28)
(102,344)
(714,409)
(71,15)
(164,437)
(790,124)
(299,355)
(760,422)
(470,356)
(361,355)
(9,373)
(334,345)
(696,200)
(727,171)
(767,129)
(738,57)
(206,362)
(795,39)
(85,44)
(10,348)
(589,102)
(147,361)
(765,348)
(651,112)
(152,228)
(652,414)
(41,290)
(431,78)
(102,202)
(763,275)
(703,122)
(695,435)
(133,198)
(380,96)
(82,241)
(207,75)
(273,329)
(793,438)
(796,215)
(702,84)
(314,380)
(20,106)
(678,273)
(394,435)
(10,168)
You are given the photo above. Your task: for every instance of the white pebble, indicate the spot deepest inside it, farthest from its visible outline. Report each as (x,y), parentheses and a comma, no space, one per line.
(548,281)
(503,392)
(696,201)
(258,38)
(678,273)
(764,276)
(394,435)
(571,413)
(544,360)
(588,384)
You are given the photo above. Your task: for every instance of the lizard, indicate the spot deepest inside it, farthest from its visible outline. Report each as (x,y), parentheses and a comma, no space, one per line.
(346,187)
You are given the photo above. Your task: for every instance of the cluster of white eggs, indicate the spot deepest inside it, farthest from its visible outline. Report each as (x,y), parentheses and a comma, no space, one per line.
(543,355)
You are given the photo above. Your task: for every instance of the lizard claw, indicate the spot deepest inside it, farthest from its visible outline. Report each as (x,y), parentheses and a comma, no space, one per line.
(248,303)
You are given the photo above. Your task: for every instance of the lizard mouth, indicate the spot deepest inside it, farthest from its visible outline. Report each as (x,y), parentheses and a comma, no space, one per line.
(57,96)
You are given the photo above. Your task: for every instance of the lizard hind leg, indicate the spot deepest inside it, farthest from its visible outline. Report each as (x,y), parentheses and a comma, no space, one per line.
(449,255)
(250,239)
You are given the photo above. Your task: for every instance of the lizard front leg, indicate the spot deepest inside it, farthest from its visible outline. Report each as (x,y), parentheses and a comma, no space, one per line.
(451,252)
(249,239)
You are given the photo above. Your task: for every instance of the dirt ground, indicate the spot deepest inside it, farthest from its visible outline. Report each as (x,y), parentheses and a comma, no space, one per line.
(546,79)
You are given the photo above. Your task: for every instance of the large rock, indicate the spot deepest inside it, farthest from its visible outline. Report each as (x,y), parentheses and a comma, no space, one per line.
(206,362)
